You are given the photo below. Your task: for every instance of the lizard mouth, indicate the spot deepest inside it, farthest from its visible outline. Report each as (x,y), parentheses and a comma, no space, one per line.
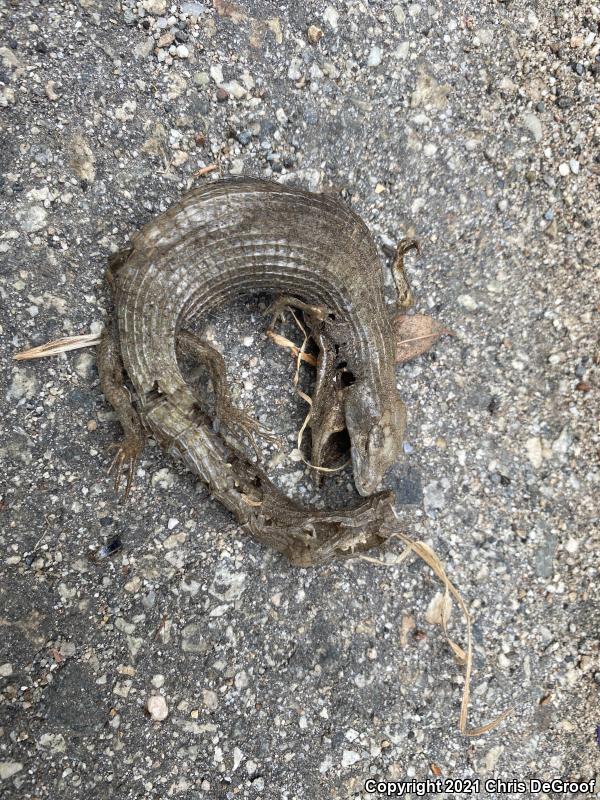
(366,488)
(365,480)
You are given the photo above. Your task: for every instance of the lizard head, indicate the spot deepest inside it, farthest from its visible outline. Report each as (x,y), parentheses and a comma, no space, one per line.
(376,434)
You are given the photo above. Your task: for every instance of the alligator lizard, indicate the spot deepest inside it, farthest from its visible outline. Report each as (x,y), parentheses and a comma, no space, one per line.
(223,241)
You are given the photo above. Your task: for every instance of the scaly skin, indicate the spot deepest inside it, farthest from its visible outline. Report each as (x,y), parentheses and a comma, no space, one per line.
(220,242)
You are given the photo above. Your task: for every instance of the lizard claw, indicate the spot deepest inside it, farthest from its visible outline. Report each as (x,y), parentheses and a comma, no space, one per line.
(124,463)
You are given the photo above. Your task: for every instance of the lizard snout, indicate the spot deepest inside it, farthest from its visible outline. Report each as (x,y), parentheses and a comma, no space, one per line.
(374,451)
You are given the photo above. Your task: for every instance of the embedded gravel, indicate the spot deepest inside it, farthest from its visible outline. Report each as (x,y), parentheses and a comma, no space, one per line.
(150,649)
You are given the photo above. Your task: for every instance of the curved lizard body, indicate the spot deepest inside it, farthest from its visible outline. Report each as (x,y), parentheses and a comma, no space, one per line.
(231,238)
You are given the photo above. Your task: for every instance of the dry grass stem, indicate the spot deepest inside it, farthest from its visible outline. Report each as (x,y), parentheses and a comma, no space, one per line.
(283,342)
(426,554)
(57,346)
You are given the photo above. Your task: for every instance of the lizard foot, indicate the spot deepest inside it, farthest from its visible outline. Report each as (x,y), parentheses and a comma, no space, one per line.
(278,306)
(236,419)
(124,463)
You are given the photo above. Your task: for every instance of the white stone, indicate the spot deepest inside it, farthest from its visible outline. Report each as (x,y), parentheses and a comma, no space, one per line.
(375,56)
(326,764)
(485,35)
(350,757)
(157,7)
(315,72)
(194,8)
(157,707)
(399,14)
(238,757)
(440,607)
(234,89)
(32,219)
(533,124)
(533,447)
(563,169)
(241,680)
(182,51)
(218,611)
(466,301)
(54,742)
(9,768)
(294,71)
(330,15)
(402,50)
(562,444)
(216,73)
(24,384)
(126,111)
(210,699)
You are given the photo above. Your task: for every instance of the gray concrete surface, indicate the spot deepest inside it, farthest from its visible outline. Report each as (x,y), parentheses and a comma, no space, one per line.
(468,124)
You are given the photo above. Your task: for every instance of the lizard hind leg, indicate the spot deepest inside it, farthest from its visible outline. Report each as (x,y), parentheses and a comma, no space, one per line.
(236,420)
(112,382)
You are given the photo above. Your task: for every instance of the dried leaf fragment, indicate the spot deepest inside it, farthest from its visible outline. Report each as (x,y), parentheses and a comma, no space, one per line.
(415,334)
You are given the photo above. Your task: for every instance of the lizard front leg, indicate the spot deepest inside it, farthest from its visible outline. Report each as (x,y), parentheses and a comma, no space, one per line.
(405,296)
(235,419)
(112,382)
(277,307)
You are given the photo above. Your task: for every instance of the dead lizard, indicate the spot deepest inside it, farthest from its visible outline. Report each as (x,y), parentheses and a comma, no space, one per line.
(223,241)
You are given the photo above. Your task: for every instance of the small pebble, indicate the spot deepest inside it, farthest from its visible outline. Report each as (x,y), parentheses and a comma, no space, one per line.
(350,757)
(9,768)
(533,447)
(375,56)
(294,72)
(466,301)
(157,707)
(314,34)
